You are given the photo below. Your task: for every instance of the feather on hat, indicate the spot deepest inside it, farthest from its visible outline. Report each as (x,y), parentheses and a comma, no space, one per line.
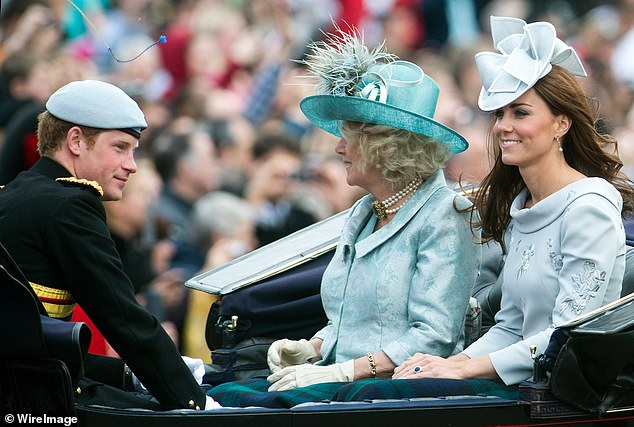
(371,86)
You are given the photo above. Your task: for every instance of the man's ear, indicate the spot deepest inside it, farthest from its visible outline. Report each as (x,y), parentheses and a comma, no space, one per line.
(73,139)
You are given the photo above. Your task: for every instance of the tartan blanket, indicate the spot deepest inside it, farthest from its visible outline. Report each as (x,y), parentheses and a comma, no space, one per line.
(254,391)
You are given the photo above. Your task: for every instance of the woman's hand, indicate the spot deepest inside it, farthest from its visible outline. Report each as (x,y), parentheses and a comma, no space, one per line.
(284,353)
(459,366)
(429,366)
(307,374)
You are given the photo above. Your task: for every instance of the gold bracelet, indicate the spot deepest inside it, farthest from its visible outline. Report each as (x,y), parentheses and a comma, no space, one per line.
(372,364)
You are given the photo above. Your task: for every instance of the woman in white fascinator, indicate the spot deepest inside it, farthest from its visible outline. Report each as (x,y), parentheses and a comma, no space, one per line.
(553,200)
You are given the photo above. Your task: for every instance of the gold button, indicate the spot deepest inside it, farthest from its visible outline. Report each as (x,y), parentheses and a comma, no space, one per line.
(191,403)
(197,408)
(78,390)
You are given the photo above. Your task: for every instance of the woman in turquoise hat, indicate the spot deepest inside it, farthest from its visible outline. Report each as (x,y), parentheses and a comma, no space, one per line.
(401,276)
(553,201)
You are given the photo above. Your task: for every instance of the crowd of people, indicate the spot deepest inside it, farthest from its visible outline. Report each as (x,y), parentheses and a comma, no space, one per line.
(229,162)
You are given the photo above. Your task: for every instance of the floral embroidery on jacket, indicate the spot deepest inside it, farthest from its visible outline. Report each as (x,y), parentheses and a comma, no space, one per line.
(527,254)
(586,285)
(556,260)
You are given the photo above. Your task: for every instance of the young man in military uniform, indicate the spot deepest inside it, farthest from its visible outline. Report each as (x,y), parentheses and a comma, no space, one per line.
(53,223)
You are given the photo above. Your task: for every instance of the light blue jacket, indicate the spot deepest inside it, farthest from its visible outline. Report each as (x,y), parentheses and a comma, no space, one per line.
(404,288)
(566,257)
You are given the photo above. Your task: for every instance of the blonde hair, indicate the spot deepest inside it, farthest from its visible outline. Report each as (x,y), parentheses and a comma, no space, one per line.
(51,132)
(401,154)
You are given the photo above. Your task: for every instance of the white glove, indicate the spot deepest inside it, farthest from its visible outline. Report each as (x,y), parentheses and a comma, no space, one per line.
(196,367)
(307,374)
(285,352)
(210,403)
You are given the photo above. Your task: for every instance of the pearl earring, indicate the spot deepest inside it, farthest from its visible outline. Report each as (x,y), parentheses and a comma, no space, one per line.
(558,140)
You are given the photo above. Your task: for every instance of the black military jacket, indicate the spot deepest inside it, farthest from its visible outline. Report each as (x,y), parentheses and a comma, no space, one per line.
(57,233)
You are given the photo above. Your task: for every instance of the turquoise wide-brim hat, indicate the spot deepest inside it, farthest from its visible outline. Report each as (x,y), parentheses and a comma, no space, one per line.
(397,94)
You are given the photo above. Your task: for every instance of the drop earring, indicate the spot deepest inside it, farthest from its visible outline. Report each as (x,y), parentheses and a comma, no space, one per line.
(558,140)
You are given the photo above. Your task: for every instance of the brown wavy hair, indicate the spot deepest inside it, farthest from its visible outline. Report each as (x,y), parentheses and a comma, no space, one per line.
(584,149)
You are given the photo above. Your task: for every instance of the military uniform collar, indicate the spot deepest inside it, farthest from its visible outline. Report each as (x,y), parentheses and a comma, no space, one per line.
(52,169)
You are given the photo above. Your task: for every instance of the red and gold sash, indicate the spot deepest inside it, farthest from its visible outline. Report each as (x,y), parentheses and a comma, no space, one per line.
(58,303)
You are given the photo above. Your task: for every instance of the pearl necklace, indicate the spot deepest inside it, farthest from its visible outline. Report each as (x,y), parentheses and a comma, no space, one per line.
(381,207)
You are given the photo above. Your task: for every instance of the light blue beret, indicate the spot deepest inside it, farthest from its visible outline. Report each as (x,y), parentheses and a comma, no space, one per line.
(97,104)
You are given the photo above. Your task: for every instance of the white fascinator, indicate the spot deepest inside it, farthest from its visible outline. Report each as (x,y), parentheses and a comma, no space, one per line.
(527,53)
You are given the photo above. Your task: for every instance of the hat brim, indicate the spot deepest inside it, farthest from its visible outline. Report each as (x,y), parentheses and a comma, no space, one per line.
(327,111)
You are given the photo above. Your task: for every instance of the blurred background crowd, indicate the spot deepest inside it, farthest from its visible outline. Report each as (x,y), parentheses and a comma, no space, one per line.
(229,163)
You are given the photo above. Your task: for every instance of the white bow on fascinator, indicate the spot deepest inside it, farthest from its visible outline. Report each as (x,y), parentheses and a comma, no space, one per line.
(527,53)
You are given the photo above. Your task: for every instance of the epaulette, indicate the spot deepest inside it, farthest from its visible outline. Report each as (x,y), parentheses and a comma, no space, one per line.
(81,182)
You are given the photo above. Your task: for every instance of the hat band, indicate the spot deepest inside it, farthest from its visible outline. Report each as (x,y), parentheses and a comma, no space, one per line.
(375,91)
(135,132)
(377,88)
